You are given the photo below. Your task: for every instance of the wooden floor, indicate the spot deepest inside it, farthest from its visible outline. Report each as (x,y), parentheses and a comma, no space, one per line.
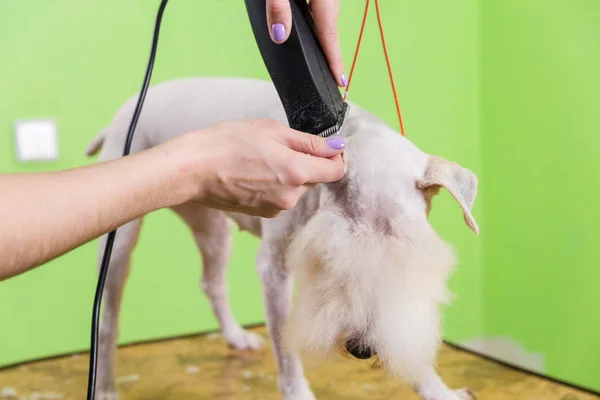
(203,367)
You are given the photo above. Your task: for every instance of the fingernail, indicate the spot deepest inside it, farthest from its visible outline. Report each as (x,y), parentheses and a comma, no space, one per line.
(336,143)
(278,32)
(344,80)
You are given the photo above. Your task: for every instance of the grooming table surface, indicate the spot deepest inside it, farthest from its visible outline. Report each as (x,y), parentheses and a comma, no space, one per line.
(202,367)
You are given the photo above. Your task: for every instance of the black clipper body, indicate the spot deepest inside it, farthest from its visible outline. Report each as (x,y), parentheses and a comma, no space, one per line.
(300,72)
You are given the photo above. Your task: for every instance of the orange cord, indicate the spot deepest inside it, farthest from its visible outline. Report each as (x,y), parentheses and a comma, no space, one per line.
(389,65)
(360,38)
(387,59)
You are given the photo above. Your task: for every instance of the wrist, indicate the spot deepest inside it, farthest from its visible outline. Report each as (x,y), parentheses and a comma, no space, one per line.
(179,165)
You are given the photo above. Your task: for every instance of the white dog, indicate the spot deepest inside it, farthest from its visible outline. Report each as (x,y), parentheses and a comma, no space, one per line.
(370,269)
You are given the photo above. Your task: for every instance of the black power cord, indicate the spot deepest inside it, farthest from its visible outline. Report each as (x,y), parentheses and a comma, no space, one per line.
(91,392)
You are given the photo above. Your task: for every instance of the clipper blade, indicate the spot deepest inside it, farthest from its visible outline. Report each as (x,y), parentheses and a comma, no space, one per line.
(329,131)
(332,130)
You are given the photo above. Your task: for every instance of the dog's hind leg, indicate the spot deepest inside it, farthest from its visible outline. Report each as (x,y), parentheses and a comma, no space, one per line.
(213,236)
(277,292)
(118,271)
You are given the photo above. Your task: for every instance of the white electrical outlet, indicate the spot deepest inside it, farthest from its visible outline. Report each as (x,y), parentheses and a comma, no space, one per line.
(36,140)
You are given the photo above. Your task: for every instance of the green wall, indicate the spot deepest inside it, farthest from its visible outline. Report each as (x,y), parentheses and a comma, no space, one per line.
(540,63)
(500,87)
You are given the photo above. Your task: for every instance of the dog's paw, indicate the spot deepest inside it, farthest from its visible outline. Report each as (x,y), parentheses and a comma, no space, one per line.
(296,390)
(459,394)
(107,395)
(244,340)
(302,394)
(465,394)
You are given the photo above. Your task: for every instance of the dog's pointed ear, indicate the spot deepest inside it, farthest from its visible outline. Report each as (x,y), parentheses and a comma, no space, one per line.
(459,181)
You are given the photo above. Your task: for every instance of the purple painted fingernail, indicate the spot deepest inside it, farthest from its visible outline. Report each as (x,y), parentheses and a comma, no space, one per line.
(278,33)
(344,80)
(336,143)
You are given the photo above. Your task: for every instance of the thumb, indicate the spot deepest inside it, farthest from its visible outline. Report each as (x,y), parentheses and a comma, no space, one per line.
(315,145)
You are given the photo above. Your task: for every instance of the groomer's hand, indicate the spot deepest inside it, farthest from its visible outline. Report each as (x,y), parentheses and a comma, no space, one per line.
(257,167)
(325,13)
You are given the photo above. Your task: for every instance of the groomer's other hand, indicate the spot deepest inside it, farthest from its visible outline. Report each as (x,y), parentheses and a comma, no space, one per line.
(325,13)
(257,167)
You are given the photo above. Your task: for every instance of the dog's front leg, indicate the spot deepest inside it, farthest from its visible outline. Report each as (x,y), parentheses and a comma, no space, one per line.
(125,241)
(277,291)
(433,388)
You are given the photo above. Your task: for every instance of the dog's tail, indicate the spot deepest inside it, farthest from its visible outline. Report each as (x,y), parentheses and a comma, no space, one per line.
(96,143)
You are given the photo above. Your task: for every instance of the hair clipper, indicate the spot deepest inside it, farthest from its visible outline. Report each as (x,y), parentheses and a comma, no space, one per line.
(299,70)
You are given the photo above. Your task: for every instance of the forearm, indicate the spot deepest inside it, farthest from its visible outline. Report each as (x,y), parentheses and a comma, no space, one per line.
(45,215)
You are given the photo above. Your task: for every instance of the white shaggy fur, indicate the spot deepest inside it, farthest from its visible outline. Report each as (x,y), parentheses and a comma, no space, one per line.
(368,265)
(383,288)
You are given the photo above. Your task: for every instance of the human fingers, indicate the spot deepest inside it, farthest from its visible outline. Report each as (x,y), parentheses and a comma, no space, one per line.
(314,145)
(279,19)
(325,14)
(307,170)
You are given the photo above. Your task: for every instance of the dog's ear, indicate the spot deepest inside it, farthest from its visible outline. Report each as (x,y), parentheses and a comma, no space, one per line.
(459,181)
